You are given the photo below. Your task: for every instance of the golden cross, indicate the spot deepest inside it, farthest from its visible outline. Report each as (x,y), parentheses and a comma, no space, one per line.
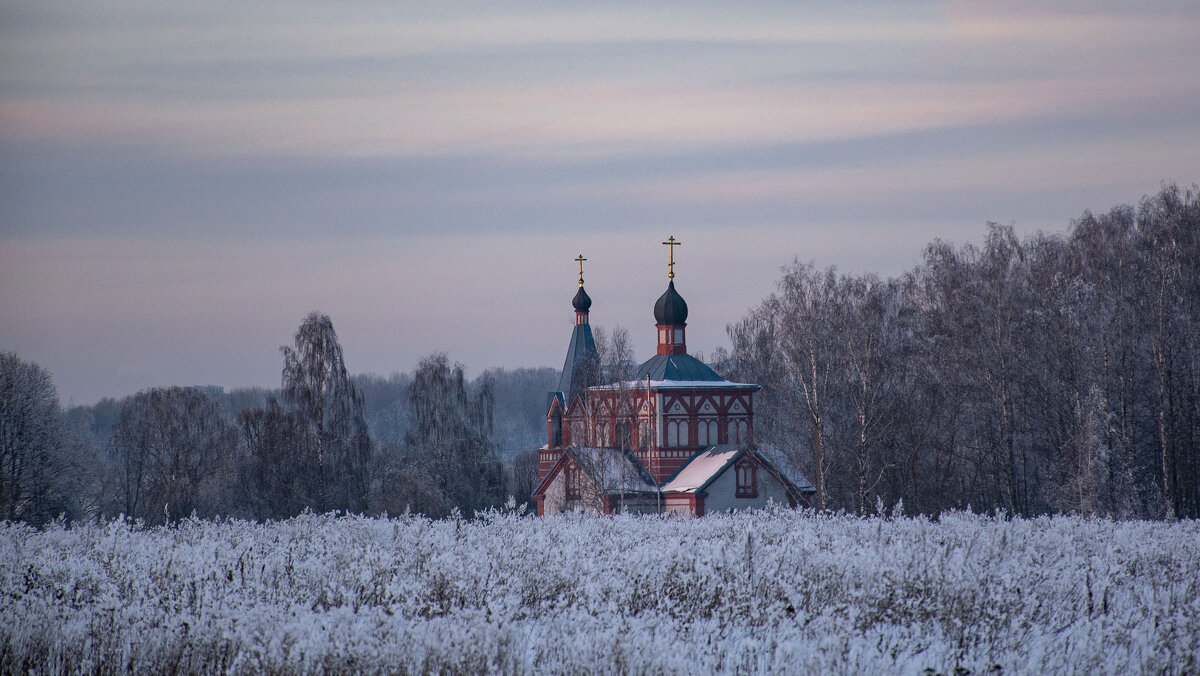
(580,260)
(672,243)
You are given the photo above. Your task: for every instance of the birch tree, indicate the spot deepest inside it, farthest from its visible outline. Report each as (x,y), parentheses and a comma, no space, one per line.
(318,389)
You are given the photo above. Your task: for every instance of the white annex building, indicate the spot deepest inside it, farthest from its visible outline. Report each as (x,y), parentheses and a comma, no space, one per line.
(676,438)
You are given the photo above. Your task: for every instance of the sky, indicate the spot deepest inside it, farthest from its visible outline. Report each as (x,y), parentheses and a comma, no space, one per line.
(182,183)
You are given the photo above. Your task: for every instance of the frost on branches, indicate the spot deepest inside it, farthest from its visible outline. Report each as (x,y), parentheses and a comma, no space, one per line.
(764,592)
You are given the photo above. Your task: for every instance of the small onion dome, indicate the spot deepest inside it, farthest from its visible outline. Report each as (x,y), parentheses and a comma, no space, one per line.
(670,308)
(582,301)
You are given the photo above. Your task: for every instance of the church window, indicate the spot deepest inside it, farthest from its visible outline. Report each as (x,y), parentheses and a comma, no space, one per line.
(747,479)
(624,435)
(678,336)
(573,480)
(702,434)
(683,433)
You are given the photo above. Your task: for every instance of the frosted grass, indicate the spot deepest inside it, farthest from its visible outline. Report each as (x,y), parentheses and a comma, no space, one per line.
(768,592)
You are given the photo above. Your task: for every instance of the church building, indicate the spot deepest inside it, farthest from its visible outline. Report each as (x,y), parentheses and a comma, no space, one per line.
(675,438)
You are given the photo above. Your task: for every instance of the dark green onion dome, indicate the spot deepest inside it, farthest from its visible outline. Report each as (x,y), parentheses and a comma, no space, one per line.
(582,301)
(670,308)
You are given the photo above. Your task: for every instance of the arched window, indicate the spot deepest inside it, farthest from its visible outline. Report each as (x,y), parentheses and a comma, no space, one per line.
(573,479)
(672,434)
(743,432)
(732,438)
(712,431)
(702,434)
(747,479)
(683,433)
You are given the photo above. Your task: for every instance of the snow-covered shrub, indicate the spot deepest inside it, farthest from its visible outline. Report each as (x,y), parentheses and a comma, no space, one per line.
(772,591)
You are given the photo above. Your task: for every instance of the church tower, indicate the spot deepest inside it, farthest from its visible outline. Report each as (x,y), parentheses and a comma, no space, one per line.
(581,370)
(670,312)
(691,407)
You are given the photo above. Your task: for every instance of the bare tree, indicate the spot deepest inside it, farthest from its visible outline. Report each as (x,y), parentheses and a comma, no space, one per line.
(450,439)
(523,475)
(31,443)
(277,477)
(317,388)
(867,322)
(799,317)
(174,447)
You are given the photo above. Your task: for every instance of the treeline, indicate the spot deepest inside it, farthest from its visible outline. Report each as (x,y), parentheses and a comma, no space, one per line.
(426,442)
(1059,373)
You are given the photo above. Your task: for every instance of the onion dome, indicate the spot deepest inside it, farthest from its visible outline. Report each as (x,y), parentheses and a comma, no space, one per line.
(670,307)
(582,301)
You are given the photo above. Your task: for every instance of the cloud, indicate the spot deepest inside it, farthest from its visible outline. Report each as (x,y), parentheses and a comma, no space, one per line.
(181,183)
(369,81)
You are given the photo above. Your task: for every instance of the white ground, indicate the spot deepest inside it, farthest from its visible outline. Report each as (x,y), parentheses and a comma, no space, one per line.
(772,591)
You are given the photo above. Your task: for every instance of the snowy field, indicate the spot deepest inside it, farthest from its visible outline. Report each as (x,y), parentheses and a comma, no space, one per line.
(772,592)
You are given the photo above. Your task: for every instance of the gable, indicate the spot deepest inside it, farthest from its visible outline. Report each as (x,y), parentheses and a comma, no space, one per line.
(555,469)
(703,468)
(612,470)
(708,466)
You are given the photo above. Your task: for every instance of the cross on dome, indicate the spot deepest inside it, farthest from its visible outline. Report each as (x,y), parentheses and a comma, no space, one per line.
(671,243)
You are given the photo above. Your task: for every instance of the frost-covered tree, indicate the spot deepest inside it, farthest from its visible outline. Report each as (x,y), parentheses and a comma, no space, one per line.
(523,475)
(794,332)
(337,450)
(174,452)
(448,444)
(1055,372)
(32,465)
(275,483)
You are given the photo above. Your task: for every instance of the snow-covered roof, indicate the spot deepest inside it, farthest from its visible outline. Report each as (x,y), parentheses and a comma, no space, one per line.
(702,468)
(679,385)
(706,465)
(615,470)
(779,459)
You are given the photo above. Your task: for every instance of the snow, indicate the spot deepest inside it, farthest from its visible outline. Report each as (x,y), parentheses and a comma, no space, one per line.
(760,592)
(785,466)
(703,467)
(617,470)
(679,385)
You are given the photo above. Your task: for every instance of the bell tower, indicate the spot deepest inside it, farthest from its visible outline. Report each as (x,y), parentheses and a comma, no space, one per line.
(670,311)
(580,371)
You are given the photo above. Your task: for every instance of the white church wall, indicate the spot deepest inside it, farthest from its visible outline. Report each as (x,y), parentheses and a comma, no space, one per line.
(556,495)
(722,492)
(678,504)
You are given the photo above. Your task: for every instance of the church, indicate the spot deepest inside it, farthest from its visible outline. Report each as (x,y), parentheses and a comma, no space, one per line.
(676,438)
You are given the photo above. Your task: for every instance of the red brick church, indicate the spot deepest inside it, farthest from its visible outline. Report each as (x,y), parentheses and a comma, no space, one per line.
(676,438)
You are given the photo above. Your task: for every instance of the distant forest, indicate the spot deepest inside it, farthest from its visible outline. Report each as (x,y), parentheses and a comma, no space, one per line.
(1058,373)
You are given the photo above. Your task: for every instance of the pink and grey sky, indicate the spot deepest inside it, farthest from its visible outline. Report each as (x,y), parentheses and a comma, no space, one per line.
(180,183)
